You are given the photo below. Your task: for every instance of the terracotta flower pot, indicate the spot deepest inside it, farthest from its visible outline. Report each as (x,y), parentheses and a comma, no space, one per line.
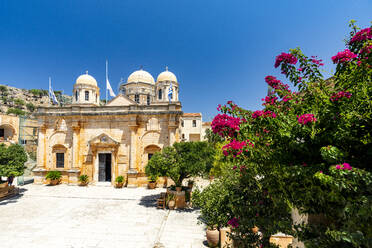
(54,182)
(152,185)
(119,185)
(213,237)
(83,183)
(178,189)
(171,204)
(4,185)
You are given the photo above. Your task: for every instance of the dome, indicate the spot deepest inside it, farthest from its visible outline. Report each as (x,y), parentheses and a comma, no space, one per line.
(86,79)
(141,76)
(167,76)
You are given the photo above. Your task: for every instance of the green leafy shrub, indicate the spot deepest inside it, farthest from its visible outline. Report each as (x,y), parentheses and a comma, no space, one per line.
(38,92)
(153,178)
(119,179)
(3,89)
(15,111)
(83,178)
(30,107)
(19,102)
(53,175)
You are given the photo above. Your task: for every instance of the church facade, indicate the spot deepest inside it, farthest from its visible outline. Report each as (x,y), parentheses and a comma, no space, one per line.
(110,140)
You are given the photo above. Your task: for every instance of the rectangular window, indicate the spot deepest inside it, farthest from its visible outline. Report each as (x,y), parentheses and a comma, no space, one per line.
(60,160)
(86,95)
(194,123)
(149,156)
(136,98)
(148,100)
(182,123)
(2,132)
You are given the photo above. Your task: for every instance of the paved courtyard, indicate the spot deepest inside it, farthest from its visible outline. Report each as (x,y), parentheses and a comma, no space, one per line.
(94,216)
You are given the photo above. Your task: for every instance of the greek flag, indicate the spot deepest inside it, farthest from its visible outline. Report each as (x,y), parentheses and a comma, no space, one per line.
(170,92)
(52,96)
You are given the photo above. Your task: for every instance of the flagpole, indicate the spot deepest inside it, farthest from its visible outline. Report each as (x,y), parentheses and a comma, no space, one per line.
(50,86)
(106,79)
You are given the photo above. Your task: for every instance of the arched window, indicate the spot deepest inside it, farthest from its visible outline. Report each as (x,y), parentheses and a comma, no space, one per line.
(76,96)
(148,99)
(136,98)
(86,95)
(160,94)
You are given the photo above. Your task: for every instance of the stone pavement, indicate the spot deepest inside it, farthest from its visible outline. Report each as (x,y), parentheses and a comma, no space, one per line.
(72,216)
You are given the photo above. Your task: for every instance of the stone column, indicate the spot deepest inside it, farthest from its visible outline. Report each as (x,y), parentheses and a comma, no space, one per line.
(75,147)
(40,170)
(73,172)
(172,134)
(132,172)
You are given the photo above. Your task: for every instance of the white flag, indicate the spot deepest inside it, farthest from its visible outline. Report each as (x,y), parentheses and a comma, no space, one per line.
(51,93)
(108,87)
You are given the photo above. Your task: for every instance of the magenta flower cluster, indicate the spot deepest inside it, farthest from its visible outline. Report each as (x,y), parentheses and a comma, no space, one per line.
(285,58)
(267,113)
(344,56)
(276,83)
(306,118)
(344,166)
(362,35)
(317,61)
(339,95)
(269,100)
(235,147)
(223,123)
(234,222)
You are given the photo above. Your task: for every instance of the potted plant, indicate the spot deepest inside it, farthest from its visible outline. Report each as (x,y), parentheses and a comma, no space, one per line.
(190,184)
(84,180)
(213,236)
(152,181)
(119,181)
(171,201)
(178,188)
(54,177)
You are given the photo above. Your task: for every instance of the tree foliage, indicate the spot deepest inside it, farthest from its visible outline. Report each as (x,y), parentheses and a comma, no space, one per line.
(182,160)
(12,160)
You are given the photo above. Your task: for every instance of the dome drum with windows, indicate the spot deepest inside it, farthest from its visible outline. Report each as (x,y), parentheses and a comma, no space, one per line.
(141,87)
(86,90)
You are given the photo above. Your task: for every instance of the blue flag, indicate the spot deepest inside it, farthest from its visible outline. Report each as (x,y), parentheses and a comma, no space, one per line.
(170,92)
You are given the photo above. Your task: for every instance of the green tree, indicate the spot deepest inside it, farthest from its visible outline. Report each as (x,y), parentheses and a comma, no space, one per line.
(19,102)
(30,107)
(12,160)
(15,111)
(181,161)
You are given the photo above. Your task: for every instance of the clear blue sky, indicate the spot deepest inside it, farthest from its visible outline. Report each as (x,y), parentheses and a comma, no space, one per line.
(220,50)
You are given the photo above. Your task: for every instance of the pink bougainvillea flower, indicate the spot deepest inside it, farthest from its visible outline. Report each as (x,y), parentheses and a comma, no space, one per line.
(224,124)
(259,113)
(234,222)
(362,35)
(286,58)
(344,56)
(235,148)
(344,166)
(339,95)
(306,118)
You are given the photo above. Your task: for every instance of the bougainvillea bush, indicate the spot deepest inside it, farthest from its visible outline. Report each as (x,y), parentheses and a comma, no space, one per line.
(308,149)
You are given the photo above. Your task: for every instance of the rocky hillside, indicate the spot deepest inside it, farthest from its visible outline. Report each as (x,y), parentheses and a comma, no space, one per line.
(25,102)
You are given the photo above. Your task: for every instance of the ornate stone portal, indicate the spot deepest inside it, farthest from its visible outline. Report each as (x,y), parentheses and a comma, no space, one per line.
(116,139)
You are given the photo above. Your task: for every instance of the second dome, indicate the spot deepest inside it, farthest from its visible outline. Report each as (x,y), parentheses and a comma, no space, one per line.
(141,76)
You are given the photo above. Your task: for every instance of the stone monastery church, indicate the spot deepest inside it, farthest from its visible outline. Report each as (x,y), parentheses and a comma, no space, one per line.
(105,141)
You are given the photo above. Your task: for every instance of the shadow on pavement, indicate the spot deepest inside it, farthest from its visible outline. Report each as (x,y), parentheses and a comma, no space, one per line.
(149,201)
(12,198)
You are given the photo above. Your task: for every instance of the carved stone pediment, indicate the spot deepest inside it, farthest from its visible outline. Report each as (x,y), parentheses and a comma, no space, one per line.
(103,140)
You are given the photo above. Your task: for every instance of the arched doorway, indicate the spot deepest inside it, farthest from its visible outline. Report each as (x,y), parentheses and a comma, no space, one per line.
(7,132)
(149,151)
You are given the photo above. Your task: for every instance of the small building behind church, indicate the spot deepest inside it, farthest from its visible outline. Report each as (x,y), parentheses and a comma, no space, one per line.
(115,139)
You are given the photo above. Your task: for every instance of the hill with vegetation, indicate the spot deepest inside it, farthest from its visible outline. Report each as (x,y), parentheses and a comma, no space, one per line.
(25,102)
